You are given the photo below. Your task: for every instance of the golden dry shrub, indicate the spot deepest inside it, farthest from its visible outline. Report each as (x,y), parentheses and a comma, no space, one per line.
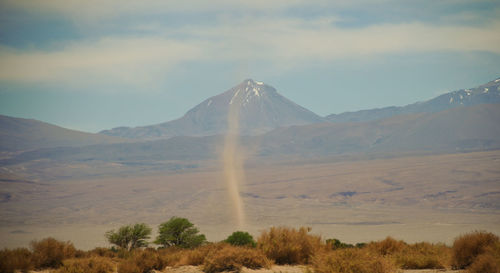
(197,255)
(49,252)
(484,263)
(103,252)
(469,246)
(388,246)
(351,260)
(172,256)
(15,259)
(233,258)
(488,262)
(87,265)
(141,261)
(288,245)
(423,256)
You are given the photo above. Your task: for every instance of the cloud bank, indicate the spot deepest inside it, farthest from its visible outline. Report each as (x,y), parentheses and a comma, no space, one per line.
(273,36)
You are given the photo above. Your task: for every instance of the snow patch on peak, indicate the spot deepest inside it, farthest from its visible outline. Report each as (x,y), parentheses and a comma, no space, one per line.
(497,80)
(256,91)
(259,83)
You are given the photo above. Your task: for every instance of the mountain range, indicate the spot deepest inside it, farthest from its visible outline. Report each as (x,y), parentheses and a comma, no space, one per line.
(261,109)
(485,93)
(271,125)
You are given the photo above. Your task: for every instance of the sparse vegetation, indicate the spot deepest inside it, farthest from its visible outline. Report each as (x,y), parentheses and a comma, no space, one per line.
(103,252)
(468,247)
(423,256)
(337,244)
(130,237)
(241,238)
(288,245)
(179,232)
(87,265)
(388,246)
(142,261)
(475,252)
(350,260)
(232,258)
(49,252)
(19,258)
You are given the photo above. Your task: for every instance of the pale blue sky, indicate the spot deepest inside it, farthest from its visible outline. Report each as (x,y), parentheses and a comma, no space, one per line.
(93,65)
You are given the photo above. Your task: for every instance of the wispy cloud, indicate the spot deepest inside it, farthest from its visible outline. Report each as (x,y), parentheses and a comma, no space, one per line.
(277,39)
(121,60)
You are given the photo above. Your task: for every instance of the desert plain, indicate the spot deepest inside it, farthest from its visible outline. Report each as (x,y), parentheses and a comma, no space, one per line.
(426,197)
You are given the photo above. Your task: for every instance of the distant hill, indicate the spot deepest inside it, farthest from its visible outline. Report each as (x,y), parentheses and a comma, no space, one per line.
(19,134)
(453,130)
(261,108)
(461,129)
(488,93)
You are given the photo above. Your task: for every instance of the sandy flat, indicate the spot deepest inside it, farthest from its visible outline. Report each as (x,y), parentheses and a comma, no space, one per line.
(287,269)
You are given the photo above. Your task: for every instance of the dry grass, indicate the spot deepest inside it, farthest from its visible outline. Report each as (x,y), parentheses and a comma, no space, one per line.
(49,252)
(477,252)
(423,256)
(484,263)
(19,258)
(351,260)
(197,256)
(87,265)
(468,247)
(142,261)
(288,245)
(487,262)
(388,246)
(233,258)
(103,252)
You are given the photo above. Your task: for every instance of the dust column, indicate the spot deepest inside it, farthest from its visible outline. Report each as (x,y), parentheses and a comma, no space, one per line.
(233,158)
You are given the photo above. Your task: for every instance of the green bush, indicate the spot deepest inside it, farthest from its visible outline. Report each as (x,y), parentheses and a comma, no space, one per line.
(49,252)
(337,244)
(241,238)
(130,237)
(179,232)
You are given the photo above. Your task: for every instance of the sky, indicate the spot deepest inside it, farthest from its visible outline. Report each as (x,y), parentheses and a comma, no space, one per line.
(94,65)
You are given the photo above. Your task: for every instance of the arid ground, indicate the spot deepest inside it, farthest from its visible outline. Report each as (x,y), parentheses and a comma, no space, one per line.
(415,198)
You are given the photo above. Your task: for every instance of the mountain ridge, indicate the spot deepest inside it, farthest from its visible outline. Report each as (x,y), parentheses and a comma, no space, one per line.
(450,131)
(260,109)
(20,134)
(483,94)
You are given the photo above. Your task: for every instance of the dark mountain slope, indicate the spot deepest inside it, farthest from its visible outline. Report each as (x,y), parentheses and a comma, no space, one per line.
(18,134)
